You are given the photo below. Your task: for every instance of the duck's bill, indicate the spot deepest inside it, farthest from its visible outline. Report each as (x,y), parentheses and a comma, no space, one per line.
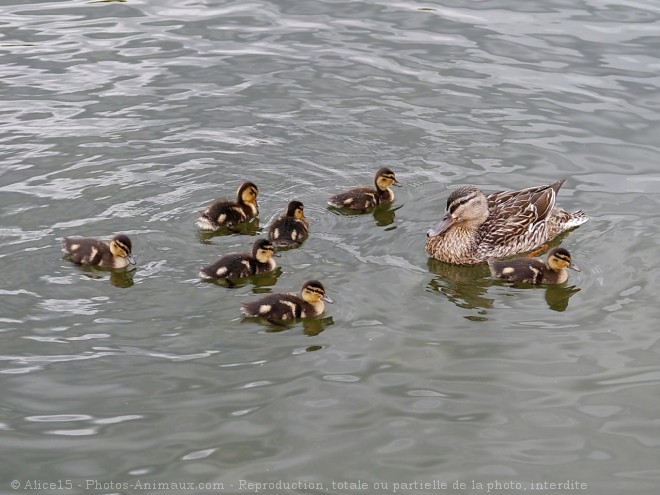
(446,222)
(130,258)
(327,299)
(574,267)
(396,183)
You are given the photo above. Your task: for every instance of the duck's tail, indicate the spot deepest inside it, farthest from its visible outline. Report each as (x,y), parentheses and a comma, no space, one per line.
(576,219)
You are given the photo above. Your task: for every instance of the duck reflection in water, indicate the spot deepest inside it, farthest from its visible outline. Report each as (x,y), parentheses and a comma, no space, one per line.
(311,326)
(467,287)
(251,228)
(261,283)
(384,215)
(121,278)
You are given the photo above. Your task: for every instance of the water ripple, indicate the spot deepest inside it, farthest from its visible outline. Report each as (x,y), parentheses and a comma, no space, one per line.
(132,116)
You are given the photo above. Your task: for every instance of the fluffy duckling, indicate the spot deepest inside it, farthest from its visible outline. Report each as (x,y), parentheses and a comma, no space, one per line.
(239,265)
(365,198)
(290,229)
(476,227)
(90,251)
(534,270)
(289,306)
(226,213)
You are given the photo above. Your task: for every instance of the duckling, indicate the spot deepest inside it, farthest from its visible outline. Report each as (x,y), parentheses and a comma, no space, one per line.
(534,270)
(476,227)
(291,228)
(239,265)
(90,251)
(289,306)
(365,198)
(226,213)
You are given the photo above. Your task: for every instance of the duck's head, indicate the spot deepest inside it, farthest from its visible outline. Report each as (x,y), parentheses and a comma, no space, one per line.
(120,246)
(466,206)
(385,178)
(263,250)
(313,291)
(296,210)
(247,193)
(559,258)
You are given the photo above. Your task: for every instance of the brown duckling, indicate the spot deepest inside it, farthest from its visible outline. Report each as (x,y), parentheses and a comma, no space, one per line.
(239,265)
(289,306)
(364,198)
(90,251)
(534,270)
(226,213)
(290,229)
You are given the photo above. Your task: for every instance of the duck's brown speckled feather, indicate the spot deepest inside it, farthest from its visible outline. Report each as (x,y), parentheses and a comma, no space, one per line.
(518,221)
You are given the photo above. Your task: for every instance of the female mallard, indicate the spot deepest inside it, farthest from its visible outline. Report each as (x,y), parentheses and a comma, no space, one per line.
(475,227)
(290,229)
(289,306)
(226,213)
(365,198)
(534,270)
(239,265)
(90,251)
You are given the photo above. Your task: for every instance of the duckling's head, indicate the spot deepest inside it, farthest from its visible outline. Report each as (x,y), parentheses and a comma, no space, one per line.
(467,207)
(296,210)
(385,178)
(263,250)
(559,258)
(247,193)
(313,291)
(120,246)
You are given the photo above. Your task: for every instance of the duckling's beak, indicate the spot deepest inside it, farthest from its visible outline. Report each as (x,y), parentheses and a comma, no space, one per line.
(276,254)
(396,183)
(446,222)
(327,299)
(130,258)
(574,267)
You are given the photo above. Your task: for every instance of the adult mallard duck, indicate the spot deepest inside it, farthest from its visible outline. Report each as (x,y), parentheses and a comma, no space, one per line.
(226,213)
(476,227)
(239,265)
(289,306)
(534,270)
(91,251)
(291,228)
(364,198)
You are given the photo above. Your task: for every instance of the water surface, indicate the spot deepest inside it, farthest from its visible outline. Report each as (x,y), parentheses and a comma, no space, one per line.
(132,116)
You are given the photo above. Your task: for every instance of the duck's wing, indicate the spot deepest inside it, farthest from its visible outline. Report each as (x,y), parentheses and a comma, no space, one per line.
(522,211)
(518,220)
(504,197)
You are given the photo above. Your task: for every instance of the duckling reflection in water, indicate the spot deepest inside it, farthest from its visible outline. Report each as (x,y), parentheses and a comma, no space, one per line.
(534,270)
(289,306)
(291,229)
(240,265)
(364,198)
(90,251)
(226,213)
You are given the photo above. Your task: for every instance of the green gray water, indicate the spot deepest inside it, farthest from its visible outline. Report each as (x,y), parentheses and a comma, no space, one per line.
(132,116)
